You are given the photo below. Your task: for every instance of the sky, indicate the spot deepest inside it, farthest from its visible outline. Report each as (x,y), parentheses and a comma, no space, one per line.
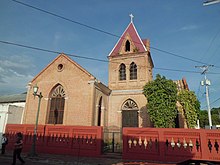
(183,34)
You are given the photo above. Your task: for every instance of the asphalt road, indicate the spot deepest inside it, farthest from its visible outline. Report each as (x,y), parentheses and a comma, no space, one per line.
(46,159)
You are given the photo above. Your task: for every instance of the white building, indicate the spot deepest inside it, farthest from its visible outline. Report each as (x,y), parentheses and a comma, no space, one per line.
(11,110)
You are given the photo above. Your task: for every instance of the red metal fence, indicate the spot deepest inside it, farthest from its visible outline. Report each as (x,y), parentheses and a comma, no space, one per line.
(70,140)
(170,144)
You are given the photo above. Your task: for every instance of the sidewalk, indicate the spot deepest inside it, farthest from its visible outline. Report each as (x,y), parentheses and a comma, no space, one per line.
(71,160)
(43,159)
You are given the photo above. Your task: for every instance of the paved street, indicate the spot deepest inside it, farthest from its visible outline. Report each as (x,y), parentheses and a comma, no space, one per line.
(59,159)
(46,159)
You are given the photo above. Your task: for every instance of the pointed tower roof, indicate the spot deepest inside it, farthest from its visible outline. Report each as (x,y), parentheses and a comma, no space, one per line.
(134,37)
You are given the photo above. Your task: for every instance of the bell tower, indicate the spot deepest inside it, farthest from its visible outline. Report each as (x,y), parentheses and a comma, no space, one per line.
(130,62)
(130,68)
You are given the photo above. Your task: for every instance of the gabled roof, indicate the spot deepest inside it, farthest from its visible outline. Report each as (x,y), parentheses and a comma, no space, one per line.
(13,98)
(132,32)
(69,59)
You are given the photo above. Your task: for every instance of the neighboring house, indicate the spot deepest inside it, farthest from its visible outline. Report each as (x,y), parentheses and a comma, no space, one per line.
(11,110)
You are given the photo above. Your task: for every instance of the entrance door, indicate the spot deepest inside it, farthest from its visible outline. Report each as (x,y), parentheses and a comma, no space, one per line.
(130,114)
(129,118)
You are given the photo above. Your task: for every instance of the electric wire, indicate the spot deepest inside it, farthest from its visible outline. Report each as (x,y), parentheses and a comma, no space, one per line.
(103,31)
(211,43)
(89,58)
(66,19)
(211,103)
(215,101)
(199,93)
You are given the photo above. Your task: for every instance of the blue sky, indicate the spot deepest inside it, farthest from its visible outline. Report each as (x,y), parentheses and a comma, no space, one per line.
(186,28)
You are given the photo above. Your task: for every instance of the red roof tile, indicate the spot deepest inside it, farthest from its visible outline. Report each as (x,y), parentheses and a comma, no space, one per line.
(131,30)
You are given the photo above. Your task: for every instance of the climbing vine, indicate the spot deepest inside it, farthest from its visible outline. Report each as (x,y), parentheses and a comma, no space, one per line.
(161,96)
(191,107)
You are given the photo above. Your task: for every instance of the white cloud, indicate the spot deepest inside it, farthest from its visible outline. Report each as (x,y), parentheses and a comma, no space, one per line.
(15,73)
(57,38)
(189,27)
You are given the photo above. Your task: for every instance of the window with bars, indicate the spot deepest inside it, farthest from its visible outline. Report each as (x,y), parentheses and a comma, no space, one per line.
(122,72)
(57,102)
(133,71)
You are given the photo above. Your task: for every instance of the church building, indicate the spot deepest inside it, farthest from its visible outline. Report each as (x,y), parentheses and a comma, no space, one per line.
(73,96)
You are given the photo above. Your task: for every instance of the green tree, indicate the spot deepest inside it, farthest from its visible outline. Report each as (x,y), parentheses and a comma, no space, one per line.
(191,107)
(161,96)
(203,117)
(215,116)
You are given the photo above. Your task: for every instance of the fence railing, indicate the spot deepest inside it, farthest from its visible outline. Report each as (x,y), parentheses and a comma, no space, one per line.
(155,144)
(70,140)
(170,144)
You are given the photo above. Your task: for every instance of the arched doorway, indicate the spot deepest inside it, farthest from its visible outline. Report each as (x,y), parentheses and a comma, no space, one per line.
(99,111)
(130,114)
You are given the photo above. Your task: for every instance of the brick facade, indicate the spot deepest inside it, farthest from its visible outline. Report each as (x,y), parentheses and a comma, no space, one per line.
(82,92)
(88,102)
(129,89)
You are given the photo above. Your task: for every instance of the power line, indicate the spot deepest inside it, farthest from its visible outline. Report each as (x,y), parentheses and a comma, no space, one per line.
(199,92)
(66,19)
(103,31)
(88,58)
(210,44)
(215,101)
(177,70)
(211,103)
(176,55)
(51,51)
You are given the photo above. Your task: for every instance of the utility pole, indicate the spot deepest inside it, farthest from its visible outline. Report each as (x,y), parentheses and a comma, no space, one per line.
(207,83)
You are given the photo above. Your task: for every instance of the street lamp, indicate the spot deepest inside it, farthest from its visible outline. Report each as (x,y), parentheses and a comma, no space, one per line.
(33,148)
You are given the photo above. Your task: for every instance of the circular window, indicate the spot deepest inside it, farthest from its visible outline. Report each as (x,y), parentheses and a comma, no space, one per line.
(60,67)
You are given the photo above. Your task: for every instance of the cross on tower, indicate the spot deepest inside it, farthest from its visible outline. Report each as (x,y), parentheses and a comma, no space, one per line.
(131,17)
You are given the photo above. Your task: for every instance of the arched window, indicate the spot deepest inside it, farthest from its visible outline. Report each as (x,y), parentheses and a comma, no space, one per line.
(129,114)
(129,105)
(127,46)
(133,71)
(122,72)
(57,102)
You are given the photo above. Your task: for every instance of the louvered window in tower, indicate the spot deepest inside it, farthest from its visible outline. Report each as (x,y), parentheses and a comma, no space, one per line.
(57,102)
(122,72)
(127,46)
(133,71)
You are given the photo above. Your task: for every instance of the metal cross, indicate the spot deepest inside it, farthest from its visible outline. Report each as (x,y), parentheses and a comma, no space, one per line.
(131,17)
